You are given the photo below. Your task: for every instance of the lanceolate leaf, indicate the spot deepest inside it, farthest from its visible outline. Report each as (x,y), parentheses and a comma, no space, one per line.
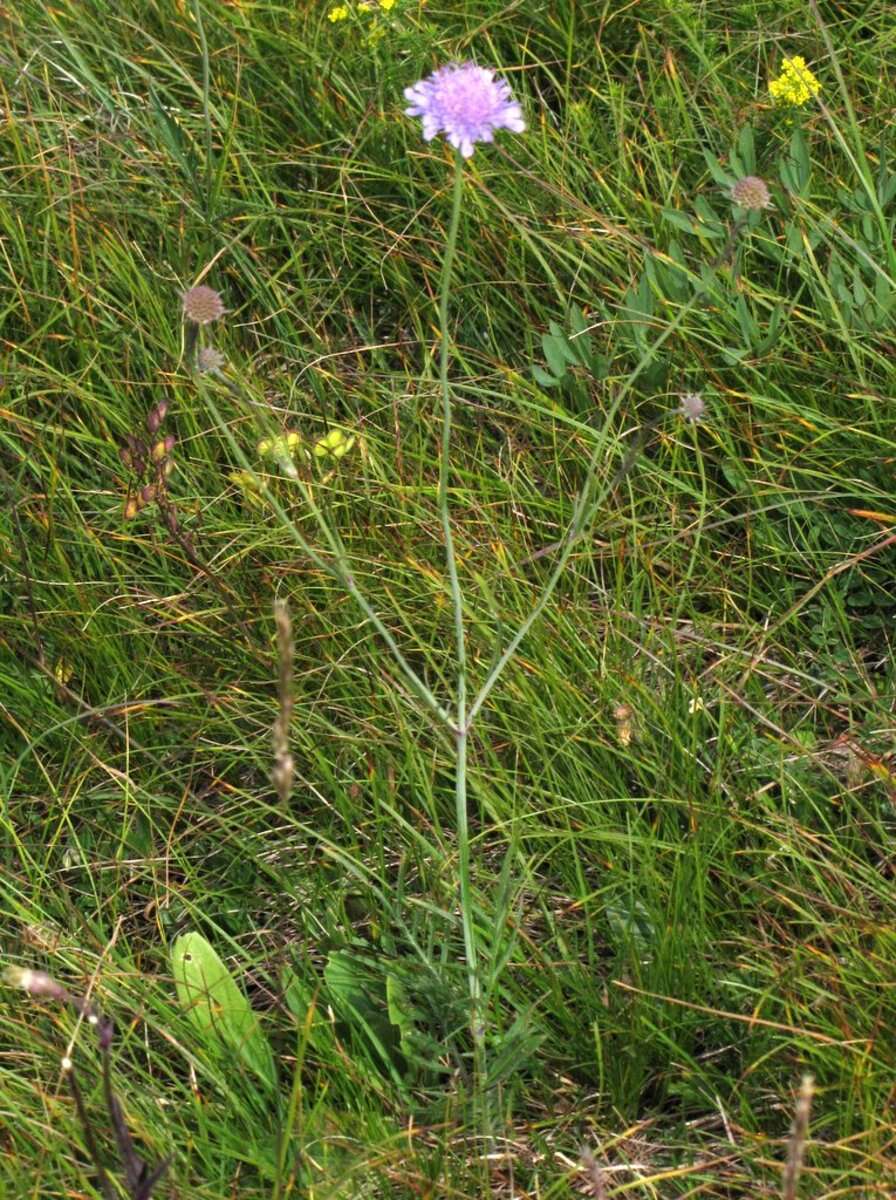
(217,1006)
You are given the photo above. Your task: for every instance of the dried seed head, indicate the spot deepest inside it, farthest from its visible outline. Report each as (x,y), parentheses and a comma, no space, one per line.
(148,494)
(751,193)
(692,406)
(131,508)
(210,358)
(202,305)
(157,416)
(622,715)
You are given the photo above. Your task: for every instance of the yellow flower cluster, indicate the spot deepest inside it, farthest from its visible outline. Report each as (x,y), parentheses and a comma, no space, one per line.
(796,84)
(342,12)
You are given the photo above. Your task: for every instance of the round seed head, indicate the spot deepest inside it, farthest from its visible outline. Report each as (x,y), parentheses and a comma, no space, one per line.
(751,193)
(210,358)
(692,406)
(202,305)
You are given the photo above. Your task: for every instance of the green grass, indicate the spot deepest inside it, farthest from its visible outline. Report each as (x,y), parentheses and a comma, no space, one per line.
(681,801)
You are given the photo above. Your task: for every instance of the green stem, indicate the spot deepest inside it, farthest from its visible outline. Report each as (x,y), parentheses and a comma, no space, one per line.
(338,569)
(457,603)
(584,510)
(206,107)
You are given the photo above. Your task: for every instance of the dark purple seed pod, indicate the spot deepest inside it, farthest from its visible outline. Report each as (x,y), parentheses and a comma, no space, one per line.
(125,455)
(105,1033)
(153,421)
(169,443)
(148,494)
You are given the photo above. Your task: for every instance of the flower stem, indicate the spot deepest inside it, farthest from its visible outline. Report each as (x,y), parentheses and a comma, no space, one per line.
(584,509)
(336,567)
(457,603)
(206,107)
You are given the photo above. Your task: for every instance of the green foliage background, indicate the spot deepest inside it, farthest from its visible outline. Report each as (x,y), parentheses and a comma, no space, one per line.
(683,805)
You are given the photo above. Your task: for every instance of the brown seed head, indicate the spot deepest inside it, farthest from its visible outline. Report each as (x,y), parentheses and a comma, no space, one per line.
(210,358)
(202,305)
(751,193)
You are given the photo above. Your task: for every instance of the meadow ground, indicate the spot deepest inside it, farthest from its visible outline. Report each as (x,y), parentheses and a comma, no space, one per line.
(680,791)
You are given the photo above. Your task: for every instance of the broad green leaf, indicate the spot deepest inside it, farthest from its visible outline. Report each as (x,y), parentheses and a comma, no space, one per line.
(554,353)
(710,225)
(217,1006)
(565,349)
(358,995)
(746,148)
(717,171)
(400,1011)
(795,167)
(581,343)
(542,378)
(680,220)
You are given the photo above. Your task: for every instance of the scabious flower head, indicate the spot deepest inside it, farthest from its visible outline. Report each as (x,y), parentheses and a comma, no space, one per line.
(202,305)
(210,358)
(796,84)
(465,102)
(692,406)
(752,193)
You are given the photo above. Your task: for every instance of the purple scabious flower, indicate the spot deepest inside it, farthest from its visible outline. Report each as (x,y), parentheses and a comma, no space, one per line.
(465,102)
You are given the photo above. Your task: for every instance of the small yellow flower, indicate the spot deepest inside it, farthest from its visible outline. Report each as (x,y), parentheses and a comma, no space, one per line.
(335,444)
(387,5)
(796,84)
(248,487)
(280,447)
(339,13)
